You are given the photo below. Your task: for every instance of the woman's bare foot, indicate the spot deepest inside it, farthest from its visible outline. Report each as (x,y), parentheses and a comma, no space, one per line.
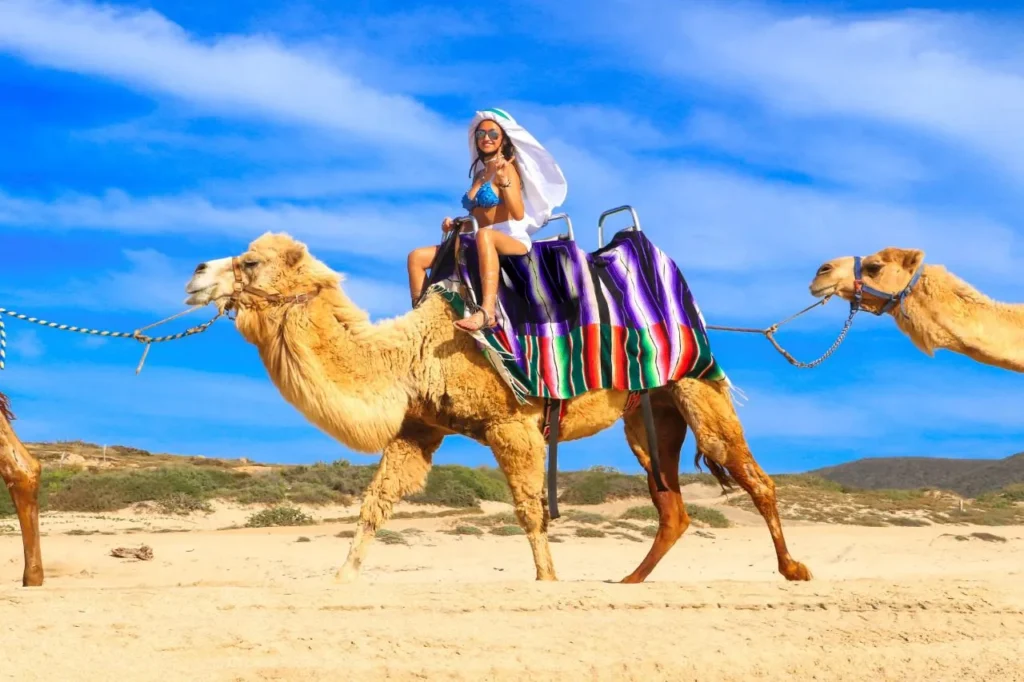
(477,321)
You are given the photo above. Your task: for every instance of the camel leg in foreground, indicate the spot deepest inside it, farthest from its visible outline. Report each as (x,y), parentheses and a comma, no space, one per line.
(672,517)
(20,472)
(403,470)
(709,412)
(519,449)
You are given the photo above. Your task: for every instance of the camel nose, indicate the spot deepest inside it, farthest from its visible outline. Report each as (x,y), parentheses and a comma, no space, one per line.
(824,269)
(200,268)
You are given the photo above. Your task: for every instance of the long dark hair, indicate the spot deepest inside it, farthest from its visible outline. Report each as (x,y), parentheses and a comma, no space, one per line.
(507,150)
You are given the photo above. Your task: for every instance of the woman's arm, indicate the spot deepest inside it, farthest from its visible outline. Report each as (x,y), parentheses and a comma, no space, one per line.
(510,185)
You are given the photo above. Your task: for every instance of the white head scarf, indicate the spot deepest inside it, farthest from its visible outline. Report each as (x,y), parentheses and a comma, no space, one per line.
(544,185)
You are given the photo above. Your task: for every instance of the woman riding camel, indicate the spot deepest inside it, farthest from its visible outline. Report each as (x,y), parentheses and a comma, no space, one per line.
(516,186)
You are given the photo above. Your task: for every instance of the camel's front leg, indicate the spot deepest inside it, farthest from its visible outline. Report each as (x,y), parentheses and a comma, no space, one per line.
(519,449)
(403,469)
(20,472)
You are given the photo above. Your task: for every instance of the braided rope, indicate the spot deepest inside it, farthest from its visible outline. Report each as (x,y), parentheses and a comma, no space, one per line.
(137,334)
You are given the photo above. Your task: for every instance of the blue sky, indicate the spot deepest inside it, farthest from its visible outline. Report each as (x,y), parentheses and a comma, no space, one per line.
(755,140)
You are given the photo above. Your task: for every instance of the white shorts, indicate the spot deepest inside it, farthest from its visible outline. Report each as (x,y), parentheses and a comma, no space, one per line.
(515,229)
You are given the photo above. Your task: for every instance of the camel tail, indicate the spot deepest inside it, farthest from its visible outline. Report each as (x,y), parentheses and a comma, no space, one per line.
(720,473)
(5,408)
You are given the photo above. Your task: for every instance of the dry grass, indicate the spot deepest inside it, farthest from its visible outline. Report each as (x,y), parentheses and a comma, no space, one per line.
(807,498)
(79,477)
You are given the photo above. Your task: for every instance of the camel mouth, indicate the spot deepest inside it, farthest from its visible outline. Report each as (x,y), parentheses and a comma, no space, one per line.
(823,291)
(199,296)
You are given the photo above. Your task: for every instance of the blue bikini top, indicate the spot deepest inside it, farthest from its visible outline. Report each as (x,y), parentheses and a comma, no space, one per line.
(485,198)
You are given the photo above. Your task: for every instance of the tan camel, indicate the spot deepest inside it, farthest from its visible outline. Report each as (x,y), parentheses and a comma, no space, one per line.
(20,472)
(940,310)
(400,386)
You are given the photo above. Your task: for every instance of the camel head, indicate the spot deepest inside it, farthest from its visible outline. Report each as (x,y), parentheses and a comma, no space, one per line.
(888,271)
(274,264)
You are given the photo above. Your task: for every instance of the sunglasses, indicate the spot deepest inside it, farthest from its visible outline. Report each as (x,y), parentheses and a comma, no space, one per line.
(492,133)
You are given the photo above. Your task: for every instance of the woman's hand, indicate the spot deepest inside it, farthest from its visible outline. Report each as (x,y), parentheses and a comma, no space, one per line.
(501,171)
(447,225)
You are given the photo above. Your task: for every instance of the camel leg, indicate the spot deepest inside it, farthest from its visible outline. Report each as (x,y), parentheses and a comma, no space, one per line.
(710,413)
(403,469)
(20,472)
(672,517)
(519,450)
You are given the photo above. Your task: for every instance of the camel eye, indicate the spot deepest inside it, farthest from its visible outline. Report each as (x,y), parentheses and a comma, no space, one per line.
(250,263)
(872,268)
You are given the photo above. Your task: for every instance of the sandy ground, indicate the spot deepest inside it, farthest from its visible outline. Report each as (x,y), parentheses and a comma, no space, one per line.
(257,604)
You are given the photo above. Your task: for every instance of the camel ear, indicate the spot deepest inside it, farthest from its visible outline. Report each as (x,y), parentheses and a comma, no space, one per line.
(293,255)
(912,259)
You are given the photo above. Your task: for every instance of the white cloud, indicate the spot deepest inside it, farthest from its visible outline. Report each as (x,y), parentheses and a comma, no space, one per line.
(248,76)
(940,74)
(154,283)
(355,228)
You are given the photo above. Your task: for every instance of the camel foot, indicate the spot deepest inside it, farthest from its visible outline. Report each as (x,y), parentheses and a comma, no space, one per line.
(632,579)
(547,578)
(795,571)
(346,575)
(32,579)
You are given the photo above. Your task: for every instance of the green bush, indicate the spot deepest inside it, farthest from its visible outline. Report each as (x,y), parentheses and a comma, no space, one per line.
(643,513)
(279,516)
(597,486)
(459,486)
(586,532)
(183,503)
(710,517)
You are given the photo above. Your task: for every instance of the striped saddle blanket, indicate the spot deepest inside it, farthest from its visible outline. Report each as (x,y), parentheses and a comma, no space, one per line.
(569,322)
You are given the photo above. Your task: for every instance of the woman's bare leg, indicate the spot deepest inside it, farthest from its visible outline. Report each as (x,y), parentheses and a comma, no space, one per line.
(489,245)
(419,262)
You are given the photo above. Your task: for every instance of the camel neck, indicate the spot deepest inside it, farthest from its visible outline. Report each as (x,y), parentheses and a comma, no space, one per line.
(346,374)
(946,312)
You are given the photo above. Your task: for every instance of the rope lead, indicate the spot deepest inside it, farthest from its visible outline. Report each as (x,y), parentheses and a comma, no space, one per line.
(137,334)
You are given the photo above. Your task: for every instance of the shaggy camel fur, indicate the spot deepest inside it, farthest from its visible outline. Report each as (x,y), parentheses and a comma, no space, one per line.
(941,310)
(20,472)
(400,386)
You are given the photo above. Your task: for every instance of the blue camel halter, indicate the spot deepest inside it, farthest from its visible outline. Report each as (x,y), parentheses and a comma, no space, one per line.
(900,297)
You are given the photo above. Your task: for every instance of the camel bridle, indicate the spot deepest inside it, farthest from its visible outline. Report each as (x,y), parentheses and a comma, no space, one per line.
(900,297)
(240,287)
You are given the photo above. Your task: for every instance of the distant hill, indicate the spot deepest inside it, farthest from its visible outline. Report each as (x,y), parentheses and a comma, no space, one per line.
(968,477)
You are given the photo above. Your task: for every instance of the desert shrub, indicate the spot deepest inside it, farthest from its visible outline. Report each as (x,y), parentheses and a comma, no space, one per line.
(109,491)
(390,537)
(907,521)
(600,485)
(642,513)
(589,518)
(507,530)
(459,486)
(183,503)
(279,516)
(304,492)
(466,530)
(587,532)
(339,476)
(707,516)
(498,519)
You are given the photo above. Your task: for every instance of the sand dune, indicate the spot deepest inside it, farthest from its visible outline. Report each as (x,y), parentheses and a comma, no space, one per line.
(257,604)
